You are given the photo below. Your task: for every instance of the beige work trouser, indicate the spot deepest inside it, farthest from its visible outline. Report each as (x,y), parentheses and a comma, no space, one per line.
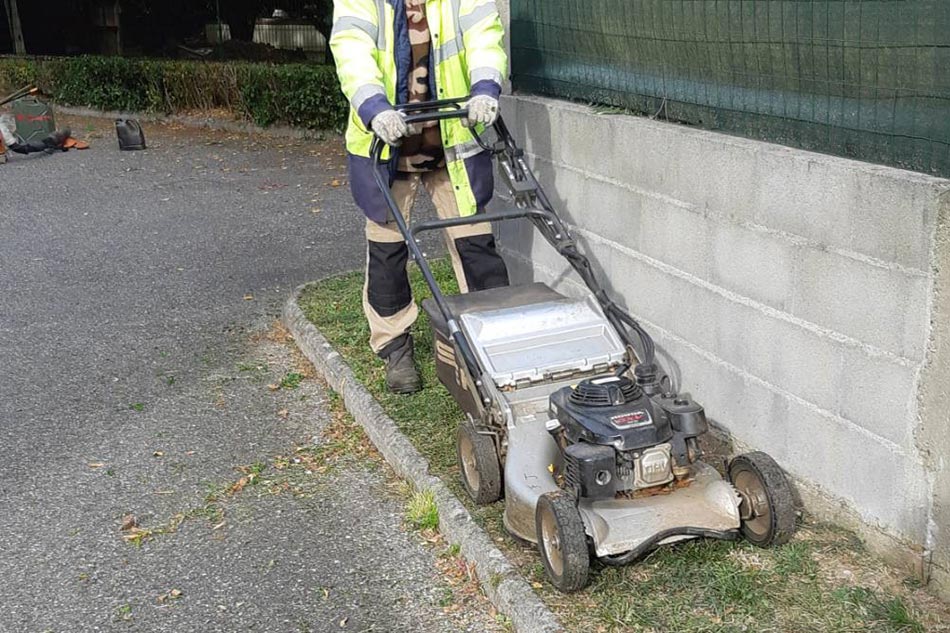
(385,329)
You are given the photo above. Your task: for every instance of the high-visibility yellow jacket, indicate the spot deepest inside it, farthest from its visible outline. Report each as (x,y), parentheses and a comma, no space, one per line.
(370,44)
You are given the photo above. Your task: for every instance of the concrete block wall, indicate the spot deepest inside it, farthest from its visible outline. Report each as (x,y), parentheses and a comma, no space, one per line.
(794,294)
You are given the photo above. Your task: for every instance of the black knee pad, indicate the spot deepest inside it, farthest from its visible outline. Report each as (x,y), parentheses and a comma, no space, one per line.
(483,266)
(387,282)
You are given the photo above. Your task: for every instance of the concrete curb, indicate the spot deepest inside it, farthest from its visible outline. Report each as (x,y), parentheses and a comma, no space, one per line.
(198,121)
(500,581)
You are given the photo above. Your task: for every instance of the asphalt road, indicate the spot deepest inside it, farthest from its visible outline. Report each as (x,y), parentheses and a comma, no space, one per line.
(133,380)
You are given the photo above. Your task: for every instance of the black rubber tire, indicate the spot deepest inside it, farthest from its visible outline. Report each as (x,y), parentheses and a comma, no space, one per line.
(780,525)
(478,463)
(557,511)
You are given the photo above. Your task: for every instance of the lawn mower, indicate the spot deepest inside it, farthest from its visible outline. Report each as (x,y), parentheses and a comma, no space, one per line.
(568,415)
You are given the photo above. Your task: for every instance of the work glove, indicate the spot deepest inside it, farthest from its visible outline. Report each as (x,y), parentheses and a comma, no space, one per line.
(482,109)
(390,126)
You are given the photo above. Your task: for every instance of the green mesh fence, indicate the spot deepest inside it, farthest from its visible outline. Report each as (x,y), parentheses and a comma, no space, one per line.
(866,79)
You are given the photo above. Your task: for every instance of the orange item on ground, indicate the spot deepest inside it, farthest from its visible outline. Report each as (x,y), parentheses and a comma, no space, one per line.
(71,143)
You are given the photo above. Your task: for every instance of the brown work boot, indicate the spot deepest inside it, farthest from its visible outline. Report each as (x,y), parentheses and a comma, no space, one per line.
(401,374)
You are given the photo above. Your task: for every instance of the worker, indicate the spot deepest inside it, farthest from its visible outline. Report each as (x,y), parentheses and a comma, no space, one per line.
(10,141)
(391,52)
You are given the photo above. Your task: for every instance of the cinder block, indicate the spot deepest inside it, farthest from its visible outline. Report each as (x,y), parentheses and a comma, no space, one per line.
(715,176)
(613,212)
(883,308)
(591,142)
(886,488)
(675,235)
(893,216)
(804,197)
(530,124)
(751,263)
(877,394)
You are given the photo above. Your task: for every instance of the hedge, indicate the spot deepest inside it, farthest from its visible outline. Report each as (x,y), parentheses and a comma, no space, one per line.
(293,94)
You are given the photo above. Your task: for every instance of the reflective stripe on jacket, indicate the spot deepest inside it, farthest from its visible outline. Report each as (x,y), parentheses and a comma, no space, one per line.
(370,43)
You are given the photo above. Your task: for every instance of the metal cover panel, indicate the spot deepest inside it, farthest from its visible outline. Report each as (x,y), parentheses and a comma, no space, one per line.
(619,525)
(534,341)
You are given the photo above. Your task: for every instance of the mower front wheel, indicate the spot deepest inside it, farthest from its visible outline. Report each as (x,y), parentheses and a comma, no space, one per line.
(478,461)
(562,541)
(766,508)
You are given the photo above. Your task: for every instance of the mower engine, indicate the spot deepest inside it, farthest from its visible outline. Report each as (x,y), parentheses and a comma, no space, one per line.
(616,439)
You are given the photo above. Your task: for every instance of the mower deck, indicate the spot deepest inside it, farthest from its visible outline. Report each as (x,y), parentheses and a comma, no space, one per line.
(618,526)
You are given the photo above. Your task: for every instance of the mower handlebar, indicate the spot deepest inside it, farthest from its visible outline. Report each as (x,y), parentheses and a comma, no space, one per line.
(439,115)
(424,112)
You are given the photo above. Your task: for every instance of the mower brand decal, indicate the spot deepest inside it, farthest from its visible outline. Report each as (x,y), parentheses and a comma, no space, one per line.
(446,354)
(631,420)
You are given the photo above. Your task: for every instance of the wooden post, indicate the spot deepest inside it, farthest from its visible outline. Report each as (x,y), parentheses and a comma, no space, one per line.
(16,31)
(117,11)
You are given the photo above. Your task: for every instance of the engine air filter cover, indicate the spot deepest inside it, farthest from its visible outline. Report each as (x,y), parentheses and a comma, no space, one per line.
(610,391)
(611,411)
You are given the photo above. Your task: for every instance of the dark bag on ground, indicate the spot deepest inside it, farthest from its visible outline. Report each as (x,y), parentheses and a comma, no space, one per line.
(131,135)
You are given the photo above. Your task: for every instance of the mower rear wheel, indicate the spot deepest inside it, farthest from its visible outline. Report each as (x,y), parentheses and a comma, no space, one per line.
(767,508)
(562,541)
(478,461)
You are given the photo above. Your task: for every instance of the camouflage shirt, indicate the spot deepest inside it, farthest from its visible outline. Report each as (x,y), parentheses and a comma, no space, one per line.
(422,152)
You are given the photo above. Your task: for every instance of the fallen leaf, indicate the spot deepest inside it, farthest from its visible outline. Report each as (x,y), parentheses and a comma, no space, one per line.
(137,535)
(174,594)
(283,413)
(128,522)
(273,386)
(238,485)
(335,183)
